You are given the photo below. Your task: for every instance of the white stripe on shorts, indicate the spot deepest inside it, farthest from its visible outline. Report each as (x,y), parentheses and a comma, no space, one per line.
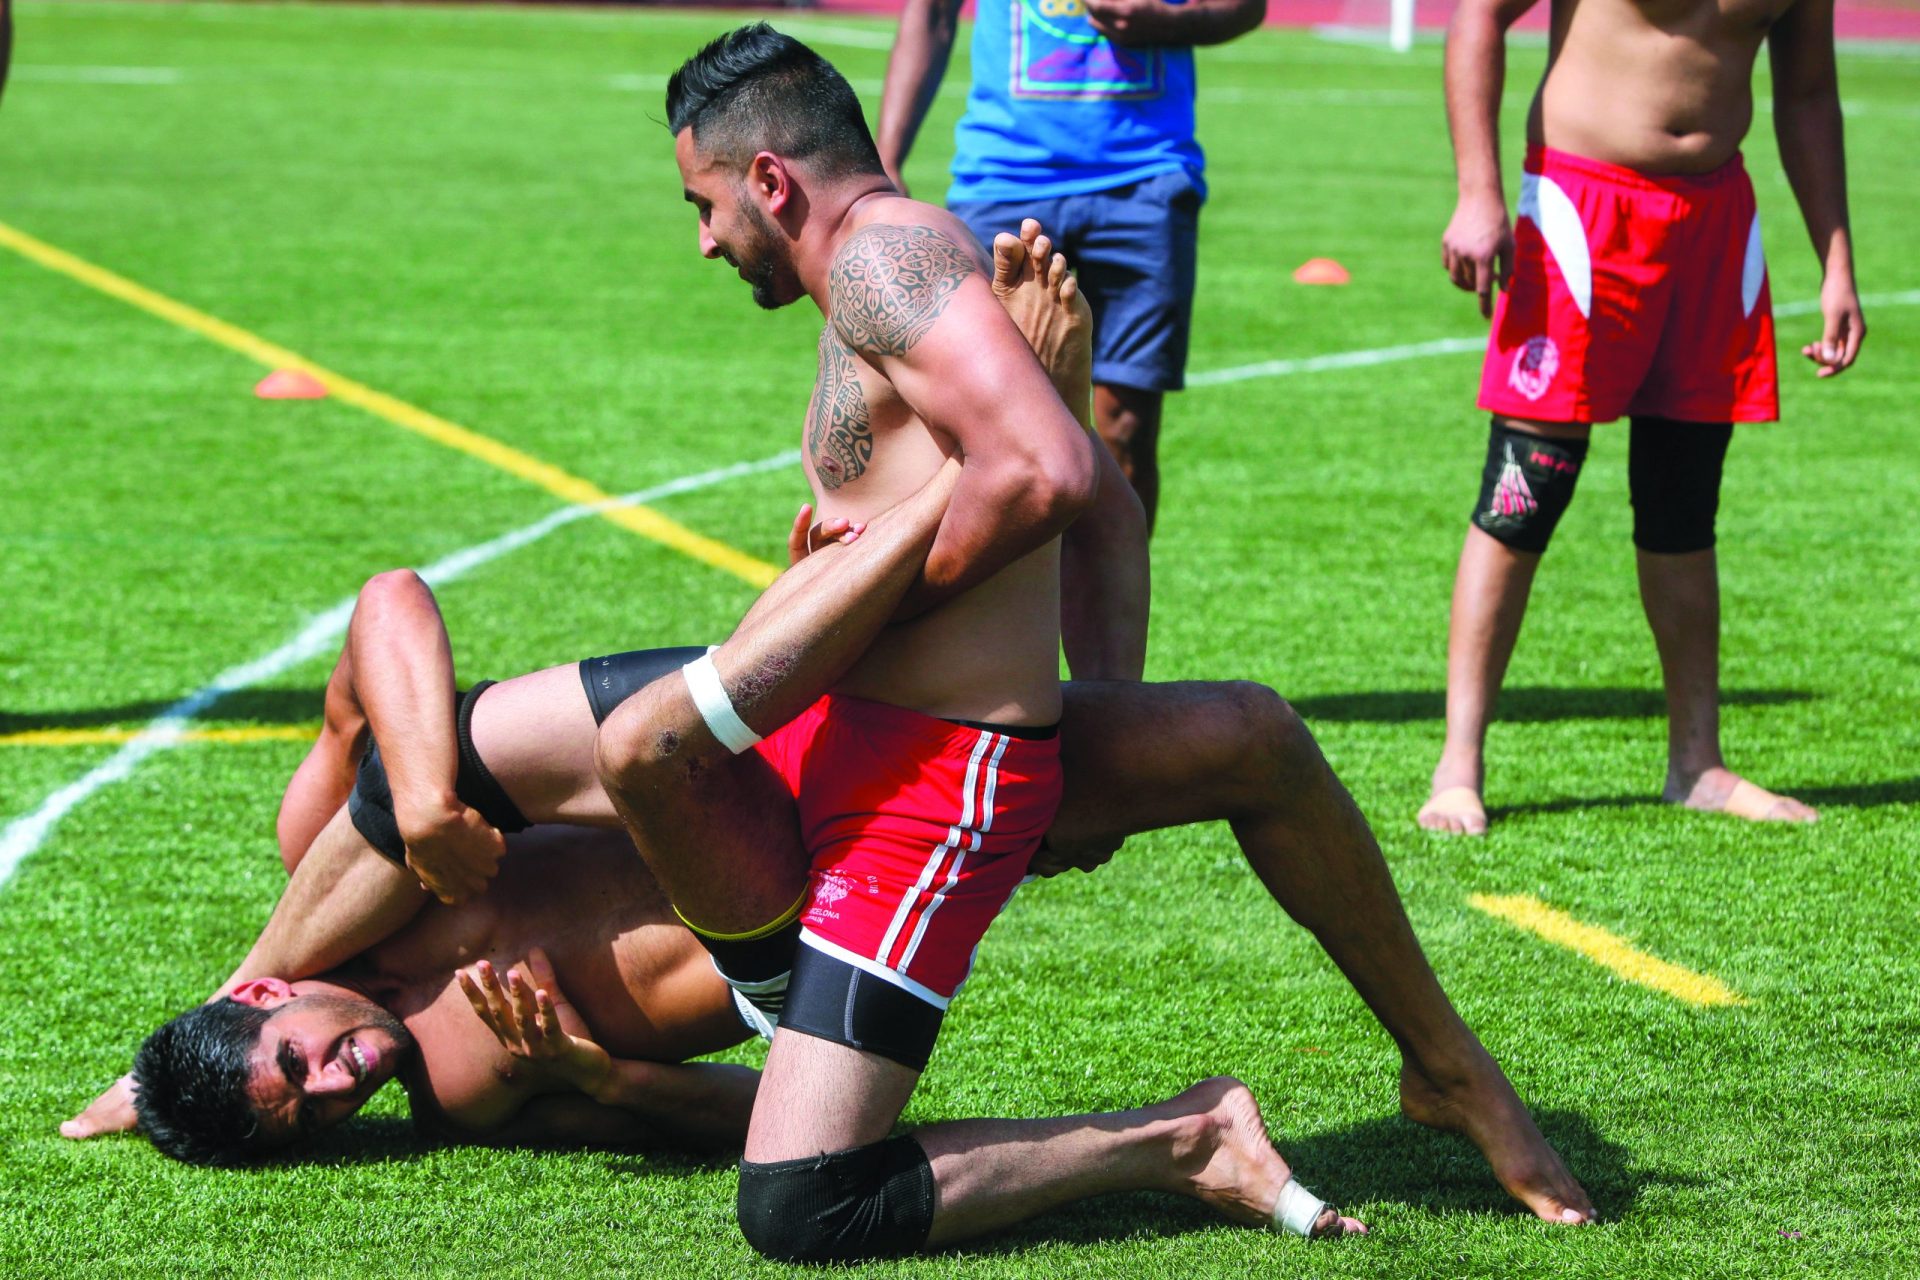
(940,852)
(953,875)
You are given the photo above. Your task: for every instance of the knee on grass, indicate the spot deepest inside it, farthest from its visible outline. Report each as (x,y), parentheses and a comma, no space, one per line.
(845,1206)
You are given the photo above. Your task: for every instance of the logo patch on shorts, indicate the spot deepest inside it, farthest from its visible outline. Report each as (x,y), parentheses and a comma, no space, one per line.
(1534,366)
(832,888)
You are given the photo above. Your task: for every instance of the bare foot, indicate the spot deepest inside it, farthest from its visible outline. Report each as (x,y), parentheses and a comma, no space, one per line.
(1034,285)
(1721,790)
(1454,810)
(1226,1159)
(1482,1106)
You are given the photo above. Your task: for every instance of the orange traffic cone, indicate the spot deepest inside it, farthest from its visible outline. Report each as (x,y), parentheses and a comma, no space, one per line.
(1321,271)
(290,384)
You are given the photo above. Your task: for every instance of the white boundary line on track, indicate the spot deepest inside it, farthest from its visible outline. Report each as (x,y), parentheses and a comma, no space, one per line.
(27,833)
(1457,346)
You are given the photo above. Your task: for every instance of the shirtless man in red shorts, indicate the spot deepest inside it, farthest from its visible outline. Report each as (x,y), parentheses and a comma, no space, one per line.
(925,778)
(1632,284)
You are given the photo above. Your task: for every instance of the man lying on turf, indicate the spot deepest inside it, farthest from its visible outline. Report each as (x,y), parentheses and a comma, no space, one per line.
(1137,757)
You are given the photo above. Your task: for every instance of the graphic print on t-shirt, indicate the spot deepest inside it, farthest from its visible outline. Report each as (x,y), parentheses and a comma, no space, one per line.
(1058,54)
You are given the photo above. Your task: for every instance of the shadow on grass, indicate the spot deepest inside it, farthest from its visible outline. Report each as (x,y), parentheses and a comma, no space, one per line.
(1866,795)
(1524,704)
(367,1140)
(250,706)
(1390,1160)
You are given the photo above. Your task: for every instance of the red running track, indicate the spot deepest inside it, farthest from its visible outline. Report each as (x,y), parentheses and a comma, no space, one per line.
(1853,19)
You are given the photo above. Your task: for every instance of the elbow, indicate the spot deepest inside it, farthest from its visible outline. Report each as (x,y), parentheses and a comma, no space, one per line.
(1065,486)
(392,587)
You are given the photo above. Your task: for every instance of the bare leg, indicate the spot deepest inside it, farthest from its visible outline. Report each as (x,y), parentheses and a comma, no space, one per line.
(719,830)
(1209,1143)
(1142,757)
(1489,600)
(1681,594)
(1129,422)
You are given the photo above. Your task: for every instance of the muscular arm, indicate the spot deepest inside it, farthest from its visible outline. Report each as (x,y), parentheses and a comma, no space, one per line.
(1807,124)
(914,70)
(703,1106)
(1477,247)
(345,896)
(1144,22)
(403,673)
(910,300)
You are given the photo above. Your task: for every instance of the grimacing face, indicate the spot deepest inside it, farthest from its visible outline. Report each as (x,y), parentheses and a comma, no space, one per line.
(734,227)
(322,1054)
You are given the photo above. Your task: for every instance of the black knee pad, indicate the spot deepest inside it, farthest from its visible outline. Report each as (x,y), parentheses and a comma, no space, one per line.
(846,1206)
(1673,475)
(1526,486)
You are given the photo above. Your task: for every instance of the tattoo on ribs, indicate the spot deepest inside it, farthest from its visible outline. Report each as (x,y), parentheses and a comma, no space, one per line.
(889,284)
(839,438)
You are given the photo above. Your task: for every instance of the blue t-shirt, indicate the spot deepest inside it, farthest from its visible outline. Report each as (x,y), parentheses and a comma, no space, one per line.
(1057,109)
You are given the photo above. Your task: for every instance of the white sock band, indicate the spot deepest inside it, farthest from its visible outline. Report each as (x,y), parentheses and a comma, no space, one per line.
(716,708)
(1297,1210)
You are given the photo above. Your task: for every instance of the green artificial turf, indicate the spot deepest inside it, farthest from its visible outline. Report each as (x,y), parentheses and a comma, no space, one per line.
(477,212)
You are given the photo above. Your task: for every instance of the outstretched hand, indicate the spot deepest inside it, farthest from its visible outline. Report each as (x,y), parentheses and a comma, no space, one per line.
(111,1112)
(529,1016)
(805,537)
(456,854)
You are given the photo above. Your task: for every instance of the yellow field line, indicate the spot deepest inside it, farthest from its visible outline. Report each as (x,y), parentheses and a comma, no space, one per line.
(644,521)
(1606,949)
(108,737)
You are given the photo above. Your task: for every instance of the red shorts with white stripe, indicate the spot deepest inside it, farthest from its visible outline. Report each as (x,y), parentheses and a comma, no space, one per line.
(1633,294)
(920,830)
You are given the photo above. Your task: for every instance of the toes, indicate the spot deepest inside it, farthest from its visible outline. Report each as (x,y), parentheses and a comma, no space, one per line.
(1069,289)
(1009,256)
(1056,272)
(1042,249)
(1029,230)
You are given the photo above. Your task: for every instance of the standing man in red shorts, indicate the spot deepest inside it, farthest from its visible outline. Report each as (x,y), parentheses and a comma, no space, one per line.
(1632,283)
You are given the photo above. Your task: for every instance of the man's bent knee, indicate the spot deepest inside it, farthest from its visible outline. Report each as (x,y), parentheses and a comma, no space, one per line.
(870,1202)
(1526,486)
(642,737)
(1275,741)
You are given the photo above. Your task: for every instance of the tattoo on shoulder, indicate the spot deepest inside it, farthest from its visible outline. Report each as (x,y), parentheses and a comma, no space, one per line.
(889,285)
(839,437)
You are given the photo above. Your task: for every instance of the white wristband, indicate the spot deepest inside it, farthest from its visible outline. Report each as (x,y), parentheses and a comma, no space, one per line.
(716,708)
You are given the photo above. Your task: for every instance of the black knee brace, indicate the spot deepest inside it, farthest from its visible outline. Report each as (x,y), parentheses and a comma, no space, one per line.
(1673,475)
(846,1206)
(1526,486)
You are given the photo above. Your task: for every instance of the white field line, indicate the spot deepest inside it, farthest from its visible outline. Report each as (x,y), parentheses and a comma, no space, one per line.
(26,833)
(1457,346)
(48,74)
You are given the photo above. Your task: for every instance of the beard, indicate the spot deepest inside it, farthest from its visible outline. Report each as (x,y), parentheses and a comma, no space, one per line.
(759,260)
